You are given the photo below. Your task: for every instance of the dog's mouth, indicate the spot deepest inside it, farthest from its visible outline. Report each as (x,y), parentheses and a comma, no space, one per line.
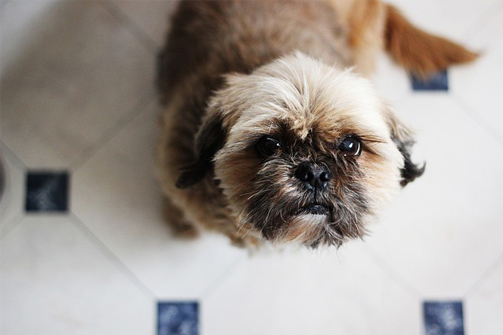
(316,209)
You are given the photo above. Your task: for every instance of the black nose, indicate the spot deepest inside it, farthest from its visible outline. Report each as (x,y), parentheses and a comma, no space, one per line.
(313,176)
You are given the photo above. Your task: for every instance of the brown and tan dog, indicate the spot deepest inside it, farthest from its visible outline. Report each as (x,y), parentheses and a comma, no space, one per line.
(268,135)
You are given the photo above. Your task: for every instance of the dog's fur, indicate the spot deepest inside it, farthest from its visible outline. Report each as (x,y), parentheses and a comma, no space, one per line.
(235,71)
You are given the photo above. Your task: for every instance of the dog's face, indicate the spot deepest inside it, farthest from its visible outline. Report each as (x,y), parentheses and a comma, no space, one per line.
(302,151)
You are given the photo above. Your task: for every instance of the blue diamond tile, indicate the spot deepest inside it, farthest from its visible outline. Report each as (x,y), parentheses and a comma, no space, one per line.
(177,318)
(436,82)
(443,318)
(47,191)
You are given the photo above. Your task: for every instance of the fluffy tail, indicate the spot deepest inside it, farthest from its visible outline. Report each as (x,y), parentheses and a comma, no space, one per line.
(417,50)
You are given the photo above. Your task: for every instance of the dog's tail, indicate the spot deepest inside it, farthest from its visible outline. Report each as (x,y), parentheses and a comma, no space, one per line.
(417,50)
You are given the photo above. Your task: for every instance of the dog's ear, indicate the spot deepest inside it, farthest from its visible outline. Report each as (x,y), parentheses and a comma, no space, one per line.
(402,136)
(209,139)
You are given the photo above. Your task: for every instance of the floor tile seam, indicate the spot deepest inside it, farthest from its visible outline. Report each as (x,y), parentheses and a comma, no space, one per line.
(394,274)
(483,277)
(220,278)
(18,162)
(115,130)
(484,19)
(111,256)
(480,121)
(11,224)
(131,26)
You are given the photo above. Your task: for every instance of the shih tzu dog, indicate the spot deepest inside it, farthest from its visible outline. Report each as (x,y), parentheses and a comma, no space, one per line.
(270,130)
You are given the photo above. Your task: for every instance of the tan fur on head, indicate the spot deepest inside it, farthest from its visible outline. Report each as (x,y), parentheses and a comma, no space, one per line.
(310,102)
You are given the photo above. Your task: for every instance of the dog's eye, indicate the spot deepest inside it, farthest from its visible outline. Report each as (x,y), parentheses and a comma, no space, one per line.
(351,145)
(266,146)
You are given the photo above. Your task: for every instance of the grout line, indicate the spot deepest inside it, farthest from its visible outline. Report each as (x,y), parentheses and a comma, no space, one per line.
(130,25)
(494,133)
(230,269)
(483,277)
(393,273)
(483,20)
(6,228)
(11,224)
(111,255)
(15,159)
(115,130)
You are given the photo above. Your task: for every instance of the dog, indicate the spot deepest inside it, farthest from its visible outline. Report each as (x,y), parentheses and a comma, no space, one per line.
(271,133)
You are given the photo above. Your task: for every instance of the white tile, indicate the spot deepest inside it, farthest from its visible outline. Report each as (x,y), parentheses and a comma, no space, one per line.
(56,281)
(12,201)
(306,292)
(478,86)
(151,16)
(18,24)
(488,32)
(390,80)
(72,85)
(117,196)
(484,306)
(444,229)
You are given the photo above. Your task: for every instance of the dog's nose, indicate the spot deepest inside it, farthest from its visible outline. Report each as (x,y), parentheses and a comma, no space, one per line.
(313,176)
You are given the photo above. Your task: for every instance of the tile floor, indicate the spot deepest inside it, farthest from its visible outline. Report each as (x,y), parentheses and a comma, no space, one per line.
(79,99)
